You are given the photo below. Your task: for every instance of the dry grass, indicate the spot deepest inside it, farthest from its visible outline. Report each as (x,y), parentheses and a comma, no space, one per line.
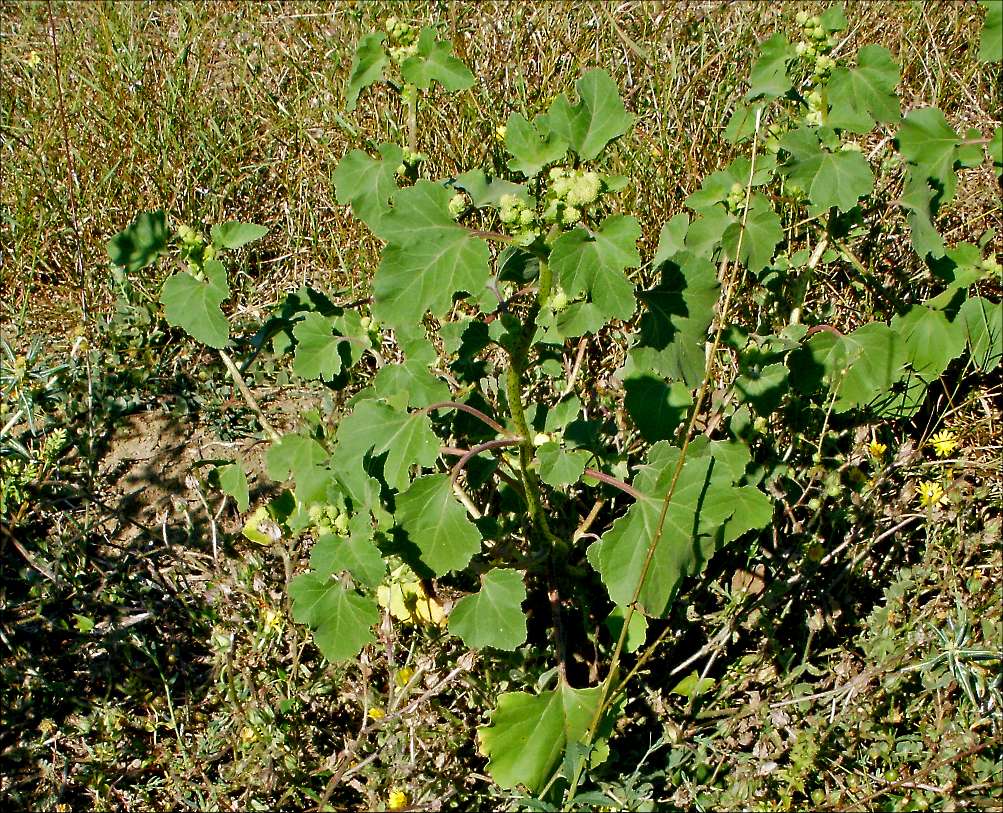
(235,110)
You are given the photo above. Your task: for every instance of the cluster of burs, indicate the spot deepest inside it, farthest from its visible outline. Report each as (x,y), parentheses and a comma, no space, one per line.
(328,519)
(814,51)
(570,194)
(402,39)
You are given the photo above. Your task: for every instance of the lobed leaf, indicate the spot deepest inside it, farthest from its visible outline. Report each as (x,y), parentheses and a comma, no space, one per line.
(367,67)
(232,234)
(528,734)
(194,305)
(341,619)
(597,119)
(141,243)
(437,524)
(434,62)
(493,616)
(860,95)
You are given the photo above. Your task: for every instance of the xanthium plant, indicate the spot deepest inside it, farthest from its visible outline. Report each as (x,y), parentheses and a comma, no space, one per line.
(473,460)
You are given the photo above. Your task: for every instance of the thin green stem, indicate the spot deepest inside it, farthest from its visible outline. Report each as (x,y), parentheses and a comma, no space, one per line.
(613,672)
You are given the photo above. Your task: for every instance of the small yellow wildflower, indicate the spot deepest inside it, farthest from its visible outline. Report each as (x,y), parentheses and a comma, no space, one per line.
(248,734)
(272,620)
(930,493)
(500,132)
(33,60)
(943,443)
(404,675)
(376,713)
(877,449)
(397,800)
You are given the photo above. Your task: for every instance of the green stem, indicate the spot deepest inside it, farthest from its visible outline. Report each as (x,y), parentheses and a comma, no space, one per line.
(411,94)
(546,282)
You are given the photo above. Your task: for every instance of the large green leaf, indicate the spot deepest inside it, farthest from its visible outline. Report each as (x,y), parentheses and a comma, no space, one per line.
(368,184)
(673,330)
(598,118)
(141,243)
(656,406)
(437,524)
(991,41)
(529,734)
(929,143)
(983,321)
(430,258)
(492,617)
(593,264)
(769,77)
(193,304)
(342,620)
(406,438)
(703,501)
(434,62)
(860,95)
(232,234)
(878,379)
(837,179)
(367,66)
(531,149)
(931,340)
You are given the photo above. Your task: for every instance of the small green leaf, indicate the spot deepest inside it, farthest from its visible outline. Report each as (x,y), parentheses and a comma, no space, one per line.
(991,42)
(434,62)
(693,685)
(860,95)
(837,179)
(532,149)
(742,123)
(637,632)
(357,554)
(597,119)
(762,234)
(486,191)
(768,77)
(367,67)
(233,481)
(342,620)
(995,150)
(193,305)
(920,202)
(414,378)
(437,524)
(368,184)
(292,454)
(833,19)
(671,239)
(561,467)
(492,617)
(593,264)
(763,388)
(529,734)
(141,243)
(317,348)
(234,235)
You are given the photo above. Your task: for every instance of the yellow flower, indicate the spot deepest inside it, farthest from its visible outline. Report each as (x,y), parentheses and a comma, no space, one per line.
(397,800)
(404,675)
(248,734)
(930,493)
(376,713)
(877,449)
(943,443)
(272,620)
(33,60)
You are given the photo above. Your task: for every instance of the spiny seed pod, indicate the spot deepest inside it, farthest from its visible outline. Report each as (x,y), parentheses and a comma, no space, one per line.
(585,190)
(457,205)
(527,217)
